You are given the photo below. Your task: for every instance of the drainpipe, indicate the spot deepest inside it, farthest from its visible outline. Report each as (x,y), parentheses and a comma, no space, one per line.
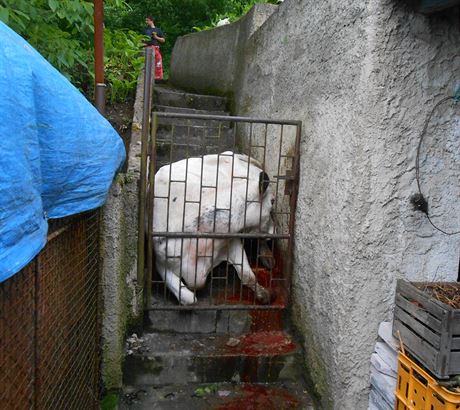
(99,91)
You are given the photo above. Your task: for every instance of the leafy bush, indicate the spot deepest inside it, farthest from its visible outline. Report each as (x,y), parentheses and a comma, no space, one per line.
(63,32)
(177,17)
(123,61)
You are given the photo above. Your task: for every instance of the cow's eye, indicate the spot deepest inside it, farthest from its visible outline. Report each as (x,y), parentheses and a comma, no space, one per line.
(273,201)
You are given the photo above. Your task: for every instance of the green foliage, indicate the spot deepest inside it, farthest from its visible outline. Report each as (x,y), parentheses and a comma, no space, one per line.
(203,391)
(63,32)
(109,402)
(123,62)
(177,17)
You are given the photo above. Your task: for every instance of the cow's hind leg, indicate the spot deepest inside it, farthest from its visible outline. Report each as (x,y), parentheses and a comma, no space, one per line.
(237,257)
(183,294)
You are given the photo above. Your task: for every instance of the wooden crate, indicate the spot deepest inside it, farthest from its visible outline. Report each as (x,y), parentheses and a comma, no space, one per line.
(430,329)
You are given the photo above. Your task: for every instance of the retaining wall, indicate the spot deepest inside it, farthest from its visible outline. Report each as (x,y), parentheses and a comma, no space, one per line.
(122,296)
(362,76)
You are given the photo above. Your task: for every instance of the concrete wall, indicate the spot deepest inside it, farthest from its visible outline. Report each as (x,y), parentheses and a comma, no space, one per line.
(211,66)
(122,297)
(362,76)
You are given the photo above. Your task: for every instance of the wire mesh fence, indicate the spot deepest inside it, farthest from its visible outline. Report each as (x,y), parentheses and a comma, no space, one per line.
(49,329)
(220,208)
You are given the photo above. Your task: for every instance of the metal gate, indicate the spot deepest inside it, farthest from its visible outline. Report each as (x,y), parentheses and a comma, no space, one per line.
(254,165)
(199,146)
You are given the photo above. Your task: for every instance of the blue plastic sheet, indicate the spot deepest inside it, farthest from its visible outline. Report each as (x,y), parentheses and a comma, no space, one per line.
(58,155)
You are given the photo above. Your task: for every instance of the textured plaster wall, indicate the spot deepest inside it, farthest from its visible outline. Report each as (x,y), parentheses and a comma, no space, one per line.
(122,300)
(210,66)
(362,76)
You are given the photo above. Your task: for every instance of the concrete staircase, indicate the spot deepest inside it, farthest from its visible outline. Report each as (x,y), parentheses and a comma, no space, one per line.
(210,359)
(178,138)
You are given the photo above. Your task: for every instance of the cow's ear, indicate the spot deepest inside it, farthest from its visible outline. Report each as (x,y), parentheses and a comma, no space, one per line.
(264,180)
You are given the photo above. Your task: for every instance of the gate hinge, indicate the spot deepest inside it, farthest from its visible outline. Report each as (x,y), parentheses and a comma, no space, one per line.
(289,185)
(290,182)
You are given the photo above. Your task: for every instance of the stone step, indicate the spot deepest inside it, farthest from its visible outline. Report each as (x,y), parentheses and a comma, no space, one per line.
(213,124)
(261,357)
(218,396)
(191,141)
(219,308)
(209,322)
(183,135)
(182,110)
(163,95)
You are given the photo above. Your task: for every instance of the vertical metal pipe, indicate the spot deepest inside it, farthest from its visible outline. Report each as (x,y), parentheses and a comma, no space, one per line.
(293,208)
(99,91)
(143,177)
(150,210)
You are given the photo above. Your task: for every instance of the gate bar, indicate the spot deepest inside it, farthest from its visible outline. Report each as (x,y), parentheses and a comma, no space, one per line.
(228,118)
(148,80)
(218,235)
(215,307)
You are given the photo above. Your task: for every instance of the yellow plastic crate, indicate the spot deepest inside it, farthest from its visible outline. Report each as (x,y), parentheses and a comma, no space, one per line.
(417,390)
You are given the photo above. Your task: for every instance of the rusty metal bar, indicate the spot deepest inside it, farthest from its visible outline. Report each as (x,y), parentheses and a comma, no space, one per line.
(99,91)
(55,234)
(217,307)
(219,235)
(150,210)
(183,218)
(149,61)
(293,207)
(228,118)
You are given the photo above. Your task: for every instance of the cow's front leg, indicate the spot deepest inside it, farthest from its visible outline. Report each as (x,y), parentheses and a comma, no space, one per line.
(183,294)
(237,257)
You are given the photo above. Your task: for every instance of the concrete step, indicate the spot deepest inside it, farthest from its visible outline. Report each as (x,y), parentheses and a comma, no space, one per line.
(182,141)
(182,110)
(163,95)
(213,124)
(217,396)
(208,315)
(213,322)
(262,357)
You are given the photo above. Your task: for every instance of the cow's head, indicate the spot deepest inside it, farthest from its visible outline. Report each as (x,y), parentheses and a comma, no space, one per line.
(267,224)
(267,199)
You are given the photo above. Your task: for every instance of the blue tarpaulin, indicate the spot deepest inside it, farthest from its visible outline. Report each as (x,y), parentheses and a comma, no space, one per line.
(58,155)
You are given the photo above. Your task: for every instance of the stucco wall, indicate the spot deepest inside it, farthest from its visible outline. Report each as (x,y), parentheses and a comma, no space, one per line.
(214,64)
(121,295)
(362,76)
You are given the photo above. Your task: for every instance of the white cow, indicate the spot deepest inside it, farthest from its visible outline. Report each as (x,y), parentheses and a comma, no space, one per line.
(210,201)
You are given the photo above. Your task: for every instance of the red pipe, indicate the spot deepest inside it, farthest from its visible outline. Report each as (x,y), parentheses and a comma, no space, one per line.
(99,91)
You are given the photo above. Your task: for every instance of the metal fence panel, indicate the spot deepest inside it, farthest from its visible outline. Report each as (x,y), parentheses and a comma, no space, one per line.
(49,343)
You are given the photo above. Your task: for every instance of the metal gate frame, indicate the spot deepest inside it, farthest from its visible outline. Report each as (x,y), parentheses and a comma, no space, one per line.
(148,166)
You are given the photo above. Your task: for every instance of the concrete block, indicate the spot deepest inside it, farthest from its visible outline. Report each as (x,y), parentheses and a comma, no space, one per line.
(166,96)
(185,358)
(201,322)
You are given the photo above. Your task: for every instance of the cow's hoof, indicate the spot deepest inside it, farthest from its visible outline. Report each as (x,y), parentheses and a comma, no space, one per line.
(267,261)
(187,297)
(264,296)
